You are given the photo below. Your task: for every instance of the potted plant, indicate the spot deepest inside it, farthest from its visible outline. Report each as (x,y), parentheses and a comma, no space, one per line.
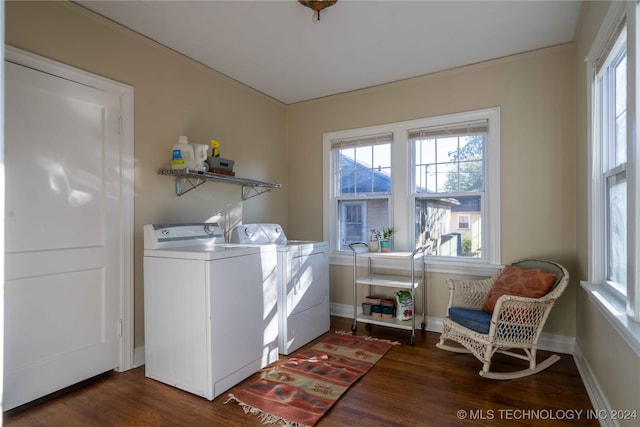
(385,243)
(374,240)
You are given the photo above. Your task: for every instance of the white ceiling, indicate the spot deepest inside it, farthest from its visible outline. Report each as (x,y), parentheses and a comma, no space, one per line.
(275,48)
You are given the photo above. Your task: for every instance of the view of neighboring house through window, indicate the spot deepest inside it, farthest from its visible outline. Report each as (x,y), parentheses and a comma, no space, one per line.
(362,168)
(449,187)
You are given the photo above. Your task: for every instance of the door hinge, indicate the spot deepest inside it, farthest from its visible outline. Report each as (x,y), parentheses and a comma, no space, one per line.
(120,327)
(120,125)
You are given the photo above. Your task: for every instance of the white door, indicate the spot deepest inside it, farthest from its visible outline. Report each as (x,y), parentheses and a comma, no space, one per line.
(62,232)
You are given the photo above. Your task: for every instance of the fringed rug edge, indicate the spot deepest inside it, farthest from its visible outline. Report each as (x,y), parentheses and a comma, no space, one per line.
(268,418)
(264,417)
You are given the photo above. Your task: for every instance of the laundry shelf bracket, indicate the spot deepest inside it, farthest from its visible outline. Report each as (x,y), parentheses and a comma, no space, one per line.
(250,187)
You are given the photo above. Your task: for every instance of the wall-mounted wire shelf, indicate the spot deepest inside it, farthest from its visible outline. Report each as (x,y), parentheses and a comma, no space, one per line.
(250,187)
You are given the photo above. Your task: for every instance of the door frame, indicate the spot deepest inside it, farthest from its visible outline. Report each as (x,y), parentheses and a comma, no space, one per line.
(125,93)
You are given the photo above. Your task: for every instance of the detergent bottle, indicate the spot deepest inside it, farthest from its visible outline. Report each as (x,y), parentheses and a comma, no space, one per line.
(215,145)
(200,154)
(182,155)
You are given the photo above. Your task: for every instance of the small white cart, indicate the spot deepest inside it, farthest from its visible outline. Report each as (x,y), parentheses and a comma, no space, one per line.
(412,282)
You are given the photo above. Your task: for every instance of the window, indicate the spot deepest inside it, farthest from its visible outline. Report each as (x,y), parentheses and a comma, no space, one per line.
(614,238)
(463,222)
(362,186)
(434,180)
(353,221)
(449,180)
(612,88)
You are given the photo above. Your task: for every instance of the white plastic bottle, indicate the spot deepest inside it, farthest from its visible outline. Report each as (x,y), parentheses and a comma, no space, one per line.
(182,155)
(200,156)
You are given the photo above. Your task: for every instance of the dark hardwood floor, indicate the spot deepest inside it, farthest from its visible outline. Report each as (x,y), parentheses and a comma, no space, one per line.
(417,385)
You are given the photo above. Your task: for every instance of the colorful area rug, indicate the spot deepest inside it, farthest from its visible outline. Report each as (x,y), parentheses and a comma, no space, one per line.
(299,391)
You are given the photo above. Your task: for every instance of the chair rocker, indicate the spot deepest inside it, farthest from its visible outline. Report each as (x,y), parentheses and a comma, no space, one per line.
(513,328)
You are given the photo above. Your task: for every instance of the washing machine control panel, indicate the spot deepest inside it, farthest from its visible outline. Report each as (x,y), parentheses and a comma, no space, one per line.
(258,234)
(160,235)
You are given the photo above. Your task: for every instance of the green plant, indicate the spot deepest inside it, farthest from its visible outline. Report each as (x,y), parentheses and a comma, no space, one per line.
(387,232)
(467,244)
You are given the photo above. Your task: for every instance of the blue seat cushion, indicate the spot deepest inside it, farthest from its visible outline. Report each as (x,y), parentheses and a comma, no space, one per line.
(474,319)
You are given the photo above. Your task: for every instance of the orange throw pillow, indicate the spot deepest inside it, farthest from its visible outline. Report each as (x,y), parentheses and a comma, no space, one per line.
(522,282)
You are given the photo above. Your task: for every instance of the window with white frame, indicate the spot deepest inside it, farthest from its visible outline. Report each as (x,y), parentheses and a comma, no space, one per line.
(614,239)
(449,184)
(353,221)
(612,94)
(362,186)
(434,180)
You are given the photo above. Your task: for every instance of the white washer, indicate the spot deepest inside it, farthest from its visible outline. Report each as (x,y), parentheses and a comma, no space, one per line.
(303,283)
(210,309)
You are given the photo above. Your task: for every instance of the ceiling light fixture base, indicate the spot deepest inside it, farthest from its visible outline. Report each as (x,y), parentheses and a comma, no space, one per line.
(317,6)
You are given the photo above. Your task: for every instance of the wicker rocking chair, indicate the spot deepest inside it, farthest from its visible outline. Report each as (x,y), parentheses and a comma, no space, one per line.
(515,324)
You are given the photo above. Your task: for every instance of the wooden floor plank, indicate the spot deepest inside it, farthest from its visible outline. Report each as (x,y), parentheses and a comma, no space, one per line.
(418,385)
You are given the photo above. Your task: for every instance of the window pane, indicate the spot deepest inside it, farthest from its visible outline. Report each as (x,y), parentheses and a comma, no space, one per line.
(364,170)
(621,140)
(447,177)
(446,149)
(382,156)
(364,181)
(471,175)
(357,218)
(426,151)
(617,228)
(450,226)
(621,85)
(430,172)
(621,111)
(364,155)
(458,164)
(346,171)
(420,177)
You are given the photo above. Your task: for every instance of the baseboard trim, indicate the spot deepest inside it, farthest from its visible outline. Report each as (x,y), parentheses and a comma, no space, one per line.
(598,400)
(138,356)
(547,342)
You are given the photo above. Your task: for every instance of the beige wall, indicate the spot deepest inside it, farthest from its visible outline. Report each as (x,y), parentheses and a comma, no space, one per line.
(616,372)
(173,96)
(536,92)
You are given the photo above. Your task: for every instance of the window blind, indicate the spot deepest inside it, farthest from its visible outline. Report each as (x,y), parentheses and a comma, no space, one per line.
(611,44)
(362,141)
(451,129)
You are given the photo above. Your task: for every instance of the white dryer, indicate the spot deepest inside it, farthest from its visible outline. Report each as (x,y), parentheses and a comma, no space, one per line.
(210,309)
(303,283)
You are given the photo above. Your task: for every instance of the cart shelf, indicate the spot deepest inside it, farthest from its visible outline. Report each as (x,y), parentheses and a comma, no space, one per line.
(411,282)
(384,280)
(393,323)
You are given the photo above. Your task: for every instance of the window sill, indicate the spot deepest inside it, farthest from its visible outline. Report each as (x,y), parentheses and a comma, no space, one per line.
(469,268)
(613,308)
